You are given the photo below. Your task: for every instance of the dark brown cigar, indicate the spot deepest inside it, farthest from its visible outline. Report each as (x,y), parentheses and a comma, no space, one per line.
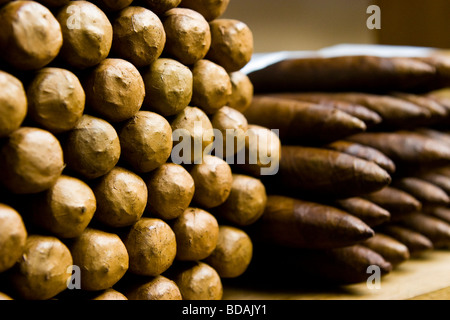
(395,112)
(302,121)
(363,152)
(369,117)
(437,110)
(435,229)
(442,213)
(395,201)
(416,242)
(435,134)
(345,73)
(322,171)
(302,224)
(406,147)
(424,191)
(391,249)
(302,267)
(369,212)
(438,179)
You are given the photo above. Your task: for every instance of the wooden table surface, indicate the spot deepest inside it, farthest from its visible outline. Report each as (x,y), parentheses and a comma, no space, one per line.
(426,277)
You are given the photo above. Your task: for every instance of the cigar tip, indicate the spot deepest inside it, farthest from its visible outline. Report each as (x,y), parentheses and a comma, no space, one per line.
(385,267)
(365,231)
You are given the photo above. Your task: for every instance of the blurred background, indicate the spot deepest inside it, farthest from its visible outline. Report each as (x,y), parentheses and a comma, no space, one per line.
(315,24)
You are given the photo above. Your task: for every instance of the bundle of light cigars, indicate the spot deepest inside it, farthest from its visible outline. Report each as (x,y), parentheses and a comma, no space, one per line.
(93,202)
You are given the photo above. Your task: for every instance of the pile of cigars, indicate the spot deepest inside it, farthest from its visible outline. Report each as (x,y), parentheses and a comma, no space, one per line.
(364,175)
(92,205)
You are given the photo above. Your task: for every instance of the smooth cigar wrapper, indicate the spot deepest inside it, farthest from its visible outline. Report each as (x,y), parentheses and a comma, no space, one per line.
(302,224)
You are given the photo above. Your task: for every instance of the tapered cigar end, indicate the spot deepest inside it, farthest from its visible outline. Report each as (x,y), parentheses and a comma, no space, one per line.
(365,232)
(376,178)
(435,229)
(414,241)
(372,214)
(392,250)
(394,200)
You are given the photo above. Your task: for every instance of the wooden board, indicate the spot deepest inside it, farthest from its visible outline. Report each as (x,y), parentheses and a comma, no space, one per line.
(427,277)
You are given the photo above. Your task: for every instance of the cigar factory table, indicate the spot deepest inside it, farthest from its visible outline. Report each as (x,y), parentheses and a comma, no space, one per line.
(422,278)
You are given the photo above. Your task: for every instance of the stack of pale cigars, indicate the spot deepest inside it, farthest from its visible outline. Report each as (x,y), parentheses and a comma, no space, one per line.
(364,170)
(101,104)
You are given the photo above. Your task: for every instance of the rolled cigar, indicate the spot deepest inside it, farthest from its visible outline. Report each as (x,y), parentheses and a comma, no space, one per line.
(437,111)
(344,73)
(110,294)
(339,266)
(442,213)
(192,131)
(233,127)
(327,172)
(363,152)
(369,212)
(389,248)
(146,141)
(87,34)
(13,100)
(102,258)
(43,270)
(31,160)
(115,90)
(415,241)
(31,36)
(155,288)
(424,191)
(92,147)
(170,191)
(435,134)
(213,181)
(121,198)
(231,44)
(300,122)
(168,87)
(197,281)
(66,208)
(262,152)
(435,229)
(151,247)
(395,112)
(161,6)
(394,200)
(13,236)
(196,232)
(437,178)
(303,224)
(188,35)
(369,117)
(211,86)
(241,91)
(138,36)
(56,99)
(406,147)
(442,64)
(233,252)
(210,9)
(245,203)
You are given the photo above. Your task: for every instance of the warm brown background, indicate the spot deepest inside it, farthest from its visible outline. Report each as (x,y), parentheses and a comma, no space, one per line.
(313,24)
